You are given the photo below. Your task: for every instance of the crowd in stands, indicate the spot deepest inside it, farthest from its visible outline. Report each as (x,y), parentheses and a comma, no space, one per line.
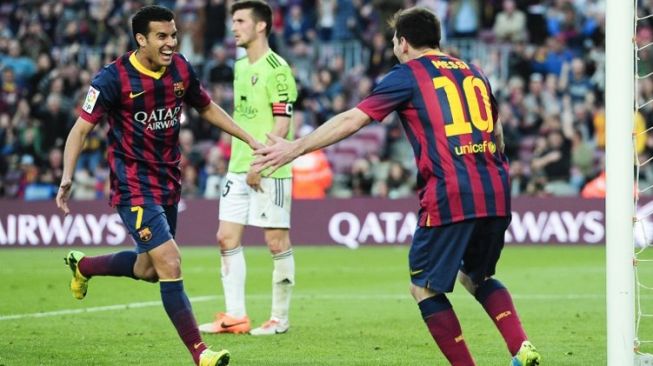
(545,60)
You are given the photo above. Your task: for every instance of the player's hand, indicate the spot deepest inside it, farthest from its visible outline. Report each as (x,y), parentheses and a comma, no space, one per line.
(272,157)
(255,145)
(62,196)
(254,180)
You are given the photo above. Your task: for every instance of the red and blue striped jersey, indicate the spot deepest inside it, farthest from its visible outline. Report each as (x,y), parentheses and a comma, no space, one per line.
(144,110)
(448,111)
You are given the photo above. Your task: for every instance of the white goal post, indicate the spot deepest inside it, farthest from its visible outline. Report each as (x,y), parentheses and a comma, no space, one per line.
(619,163)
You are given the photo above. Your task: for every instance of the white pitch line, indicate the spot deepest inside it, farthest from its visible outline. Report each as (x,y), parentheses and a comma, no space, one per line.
(145,304)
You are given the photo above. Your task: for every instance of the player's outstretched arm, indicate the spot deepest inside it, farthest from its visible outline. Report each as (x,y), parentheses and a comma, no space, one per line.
(282,151)
(219,118)
(71,152)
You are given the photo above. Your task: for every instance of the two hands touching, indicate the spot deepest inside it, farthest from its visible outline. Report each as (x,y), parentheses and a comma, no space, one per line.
(270,158)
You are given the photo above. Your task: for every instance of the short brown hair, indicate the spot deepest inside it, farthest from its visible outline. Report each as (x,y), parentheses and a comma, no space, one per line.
(261,12)
(419,26)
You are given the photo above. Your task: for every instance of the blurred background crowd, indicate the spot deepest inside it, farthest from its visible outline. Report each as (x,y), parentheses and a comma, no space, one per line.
(545,60)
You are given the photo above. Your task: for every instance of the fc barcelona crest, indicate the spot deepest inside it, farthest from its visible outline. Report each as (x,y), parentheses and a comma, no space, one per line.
(178,88)
(254,79)
(145,234)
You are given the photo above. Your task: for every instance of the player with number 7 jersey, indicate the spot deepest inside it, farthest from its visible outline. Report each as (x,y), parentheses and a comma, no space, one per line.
(448,112)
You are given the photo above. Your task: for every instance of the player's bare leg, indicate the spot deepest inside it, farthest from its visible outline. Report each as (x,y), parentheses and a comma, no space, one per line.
(497,302)
(443,325)
(283,280)
(166,259)
(233,272)
(144,268)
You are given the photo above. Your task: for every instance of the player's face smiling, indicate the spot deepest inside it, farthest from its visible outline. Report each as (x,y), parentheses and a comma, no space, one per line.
(244,27)
(159,45)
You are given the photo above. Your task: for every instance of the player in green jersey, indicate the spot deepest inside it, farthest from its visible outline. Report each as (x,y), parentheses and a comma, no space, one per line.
(264,93)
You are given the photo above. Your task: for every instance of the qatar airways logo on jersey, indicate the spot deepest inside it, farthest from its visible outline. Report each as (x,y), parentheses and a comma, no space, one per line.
(159,119)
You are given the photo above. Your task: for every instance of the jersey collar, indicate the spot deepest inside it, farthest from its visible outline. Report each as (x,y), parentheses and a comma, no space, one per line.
(432,53)
(144,70)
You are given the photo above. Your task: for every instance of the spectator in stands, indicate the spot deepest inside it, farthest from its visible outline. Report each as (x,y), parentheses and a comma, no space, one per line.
(582,160)
(84,185)
(556,55)
(398,184)
(511,132)
(53,168)
(536,20)
(215,13)
(28,132)
(34,40)
(553,164)
(23,67)
(311,173)
(43,69)
(510,23)
(297,28)
(519,60)
(326,10)
(219,69)
(55,122)
(10,91)
(361,178)
(189,182)
(381,58)
(596,188)
(535,102)
(213,173)
(574,80)
(518,178)
(345,25)
(92,152)
(464,18)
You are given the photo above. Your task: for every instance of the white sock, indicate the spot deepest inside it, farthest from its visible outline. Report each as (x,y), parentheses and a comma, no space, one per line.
(283,279)
(233,272)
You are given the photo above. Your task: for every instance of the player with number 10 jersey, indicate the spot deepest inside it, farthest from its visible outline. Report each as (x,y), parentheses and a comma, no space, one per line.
(448,112)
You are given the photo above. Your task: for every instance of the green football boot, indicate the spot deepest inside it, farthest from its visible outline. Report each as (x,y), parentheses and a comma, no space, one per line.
(212,358)
(526,356)
(79,283)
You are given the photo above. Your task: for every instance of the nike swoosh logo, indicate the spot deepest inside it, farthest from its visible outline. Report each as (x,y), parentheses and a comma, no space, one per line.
(197,345)
(412,273)
(132,95)
(225,325)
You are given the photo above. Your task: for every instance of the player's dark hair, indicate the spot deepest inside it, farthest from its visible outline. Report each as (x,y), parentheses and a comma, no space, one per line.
(261,11)
(419,26)
(152,13)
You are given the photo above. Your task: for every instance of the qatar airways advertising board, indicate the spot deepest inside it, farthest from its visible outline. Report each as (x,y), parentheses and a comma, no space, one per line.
(347,222)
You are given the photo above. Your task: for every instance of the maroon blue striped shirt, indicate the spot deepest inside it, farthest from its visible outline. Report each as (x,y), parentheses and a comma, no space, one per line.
(144,110)
(448,112)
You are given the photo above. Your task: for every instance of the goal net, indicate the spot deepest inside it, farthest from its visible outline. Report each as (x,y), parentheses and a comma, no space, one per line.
(643,220)
(629,209)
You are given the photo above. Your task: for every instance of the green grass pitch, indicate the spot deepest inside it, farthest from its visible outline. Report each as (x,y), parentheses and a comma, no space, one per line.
(350,307)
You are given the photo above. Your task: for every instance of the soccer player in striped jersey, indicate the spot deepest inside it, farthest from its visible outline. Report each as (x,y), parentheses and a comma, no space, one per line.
(141,94)
(264,93)
(450,117)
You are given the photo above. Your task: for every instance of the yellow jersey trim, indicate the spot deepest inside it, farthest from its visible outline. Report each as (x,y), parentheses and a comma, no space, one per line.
(144,70)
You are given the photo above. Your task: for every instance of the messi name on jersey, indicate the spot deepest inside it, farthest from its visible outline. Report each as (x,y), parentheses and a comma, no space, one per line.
(159,119)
